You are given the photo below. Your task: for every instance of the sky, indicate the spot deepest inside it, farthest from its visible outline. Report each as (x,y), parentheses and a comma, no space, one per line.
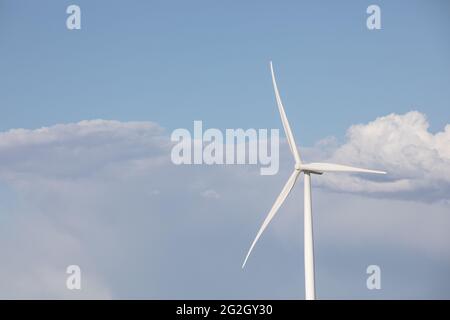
(85,170)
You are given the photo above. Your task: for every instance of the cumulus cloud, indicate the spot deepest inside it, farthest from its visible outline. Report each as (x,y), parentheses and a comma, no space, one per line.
(417,160)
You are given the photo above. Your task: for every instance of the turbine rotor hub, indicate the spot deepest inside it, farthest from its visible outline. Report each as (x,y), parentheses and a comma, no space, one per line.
(298,167)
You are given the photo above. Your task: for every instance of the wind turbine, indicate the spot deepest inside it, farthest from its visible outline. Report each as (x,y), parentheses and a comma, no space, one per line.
(307,169)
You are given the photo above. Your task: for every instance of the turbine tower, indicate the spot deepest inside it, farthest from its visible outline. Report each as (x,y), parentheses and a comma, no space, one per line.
(307,169)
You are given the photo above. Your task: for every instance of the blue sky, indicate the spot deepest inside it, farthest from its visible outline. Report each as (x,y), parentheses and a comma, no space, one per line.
(104,195)
(173,62)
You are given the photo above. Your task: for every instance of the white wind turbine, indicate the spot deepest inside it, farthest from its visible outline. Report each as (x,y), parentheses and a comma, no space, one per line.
(307,169)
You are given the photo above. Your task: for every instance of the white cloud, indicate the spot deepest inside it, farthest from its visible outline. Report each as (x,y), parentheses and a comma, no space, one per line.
(104,195)
(81,149)
(417,161)
(210,193)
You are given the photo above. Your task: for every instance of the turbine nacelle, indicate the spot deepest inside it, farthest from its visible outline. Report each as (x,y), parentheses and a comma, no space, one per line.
(298,167)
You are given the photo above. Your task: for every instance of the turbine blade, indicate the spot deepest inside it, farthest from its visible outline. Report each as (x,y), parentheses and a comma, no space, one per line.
(284,120)
(284,193)
(331,167)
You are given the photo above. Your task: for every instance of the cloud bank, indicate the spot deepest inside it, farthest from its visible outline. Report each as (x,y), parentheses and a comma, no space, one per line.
(104,195)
